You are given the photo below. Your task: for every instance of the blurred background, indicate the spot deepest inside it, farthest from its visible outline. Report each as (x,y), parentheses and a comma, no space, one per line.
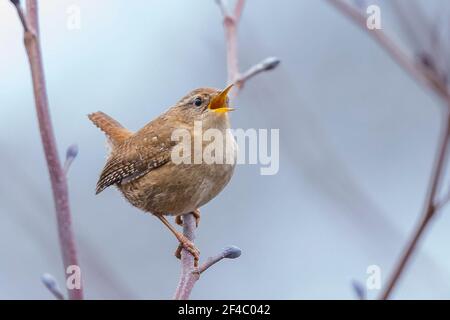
(357,141)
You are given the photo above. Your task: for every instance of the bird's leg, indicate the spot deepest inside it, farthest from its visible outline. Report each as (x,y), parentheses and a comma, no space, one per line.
(184,242)
(195,213)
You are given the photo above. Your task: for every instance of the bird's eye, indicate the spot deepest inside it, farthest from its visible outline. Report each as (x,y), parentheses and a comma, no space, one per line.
(198,101)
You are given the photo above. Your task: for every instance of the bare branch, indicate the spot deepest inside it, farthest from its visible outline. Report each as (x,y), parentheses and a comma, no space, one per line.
(56,172)
(442,202)
(188,277)
(429,210)
(265,65)
(190,274)
(359,290)
(50,283)
(238,10)
(223,8)
(231,252)
(21,14)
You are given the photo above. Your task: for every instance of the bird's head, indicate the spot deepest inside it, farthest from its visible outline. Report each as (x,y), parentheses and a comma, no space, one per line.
(205,103)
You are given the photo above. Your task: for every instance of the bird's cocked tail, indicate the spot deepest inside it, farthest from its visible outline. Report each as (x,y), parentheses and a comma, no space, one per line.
(113,129)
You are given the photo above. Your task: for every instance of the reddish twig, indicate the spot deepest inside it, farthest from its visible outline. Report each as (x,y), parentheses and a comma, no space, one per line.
(58,180)
(231,22)
(432,80)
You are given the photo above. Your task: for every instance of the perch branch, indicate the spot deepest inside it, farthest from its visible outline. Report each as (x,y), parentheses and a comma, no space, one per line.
(57,175)
(190,274)
(431,79)
(443,202)
(429,210)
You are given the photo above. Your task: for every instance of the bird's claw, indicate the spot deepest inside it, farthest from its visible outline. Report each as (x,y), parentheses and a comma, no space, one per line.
(196,214)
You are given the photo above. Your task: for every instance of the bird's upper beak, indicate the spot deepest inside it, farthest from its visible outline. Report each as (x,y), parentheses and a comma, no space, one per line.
(220,102)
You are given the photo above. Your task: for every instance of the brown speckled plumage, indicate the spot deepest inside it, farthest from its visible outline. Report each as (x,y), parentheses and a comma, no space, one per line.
(140,165)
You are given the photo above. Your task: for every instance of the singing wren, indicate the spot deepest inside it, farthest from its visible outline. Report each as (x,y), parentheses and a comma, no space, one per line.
(141,166)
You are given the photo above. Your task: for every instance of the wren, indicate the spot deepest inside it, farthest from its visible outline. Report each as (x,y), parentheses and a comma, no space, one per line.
(141,166)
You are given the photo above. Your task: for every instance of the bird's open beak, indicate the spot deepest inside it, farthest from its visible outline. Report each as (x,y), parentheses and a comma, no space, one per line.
(220,102)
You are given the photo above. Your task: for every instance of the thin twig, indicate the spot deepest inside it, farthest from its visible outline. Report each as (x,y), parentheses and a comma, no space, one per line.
(430,78)
(231,22)
(57,175)
(71,154)
(265,65)
(230,25)
(442,202)
(190,274)
(359,290)
(21,14)
(417,71)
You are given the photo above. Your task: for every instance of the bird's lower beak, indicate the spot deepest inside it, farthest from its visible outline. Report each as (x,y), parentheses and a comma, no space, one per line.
(220,102)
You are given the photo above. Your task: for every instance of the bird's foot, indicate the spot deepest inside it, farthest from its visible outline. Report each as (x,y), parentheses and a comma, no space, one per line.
(188,245)
(196,214)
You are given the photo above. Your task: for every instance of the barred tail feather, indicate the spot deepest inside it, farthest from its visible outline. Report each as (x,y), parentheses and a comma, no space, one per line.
(113,129)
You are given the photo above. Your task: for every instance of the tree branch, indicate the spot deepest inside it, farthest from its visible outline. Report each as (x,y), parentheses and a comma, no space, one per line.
(265,65)
(430,78)
(57,176)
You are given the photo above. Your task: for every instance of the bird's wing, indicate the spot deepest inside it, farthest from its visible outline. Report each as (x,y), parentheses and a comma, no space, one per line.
(143,152)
